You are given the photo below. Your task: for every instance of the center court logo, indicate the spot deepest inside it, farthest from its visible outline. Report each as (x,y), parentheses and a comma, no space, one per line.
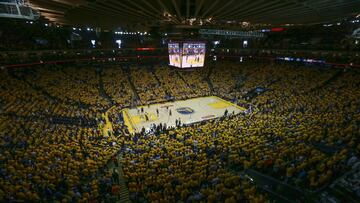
(185,110)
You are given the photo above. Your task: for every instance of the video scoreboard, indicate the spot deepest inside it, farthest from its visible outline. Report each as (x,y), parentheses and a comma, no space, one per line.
(187,54)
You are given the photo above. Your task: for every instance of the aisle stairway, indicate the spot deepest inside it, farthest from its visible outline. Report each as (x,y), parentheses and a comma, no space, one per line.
(208,80)
(327,82)
(155,76)
(102,91)
(185,81)
(133,88)
(124,192)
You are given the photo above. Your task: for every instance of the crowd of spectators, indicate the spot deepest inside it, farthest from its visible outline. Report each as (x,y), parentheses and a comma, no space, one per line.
(117,86)
(303,132)
(174,86)
(147,86)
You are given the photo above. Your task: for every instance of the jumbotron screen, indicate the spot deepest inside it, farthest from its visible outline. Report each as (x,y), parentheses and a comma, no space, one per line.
(187,54)
(174,55)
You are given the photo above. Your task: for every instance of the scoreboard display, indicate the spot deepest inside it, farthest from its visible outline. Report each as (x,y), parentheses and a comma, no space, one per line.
(187,54)
(174,55)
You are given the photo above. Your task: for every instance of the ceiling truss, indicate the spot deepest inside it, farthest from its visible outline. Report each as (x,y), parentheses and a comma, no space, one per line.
(119,12)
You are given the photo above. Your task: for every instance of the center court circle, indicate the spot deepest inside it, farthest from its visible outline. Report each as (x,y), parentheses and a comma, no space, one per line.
(185,110)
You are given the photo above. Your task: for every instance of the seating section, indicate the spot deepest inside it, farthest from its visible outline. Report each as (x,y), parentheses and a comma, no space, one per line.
(148,87)
(22,99)
(117,86)
(196,80)
(302,131)
(190,164)
(49,162)
(172,83)
(224,79)
(73,84)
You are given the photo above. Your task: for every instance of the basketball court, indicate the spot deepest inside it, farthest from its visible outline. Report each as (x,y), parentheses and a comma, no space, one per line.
(187,111)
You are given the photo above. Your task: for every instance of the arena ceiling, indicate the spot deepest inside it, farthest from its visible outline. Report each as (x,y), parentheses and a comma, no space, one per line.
(114,13)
